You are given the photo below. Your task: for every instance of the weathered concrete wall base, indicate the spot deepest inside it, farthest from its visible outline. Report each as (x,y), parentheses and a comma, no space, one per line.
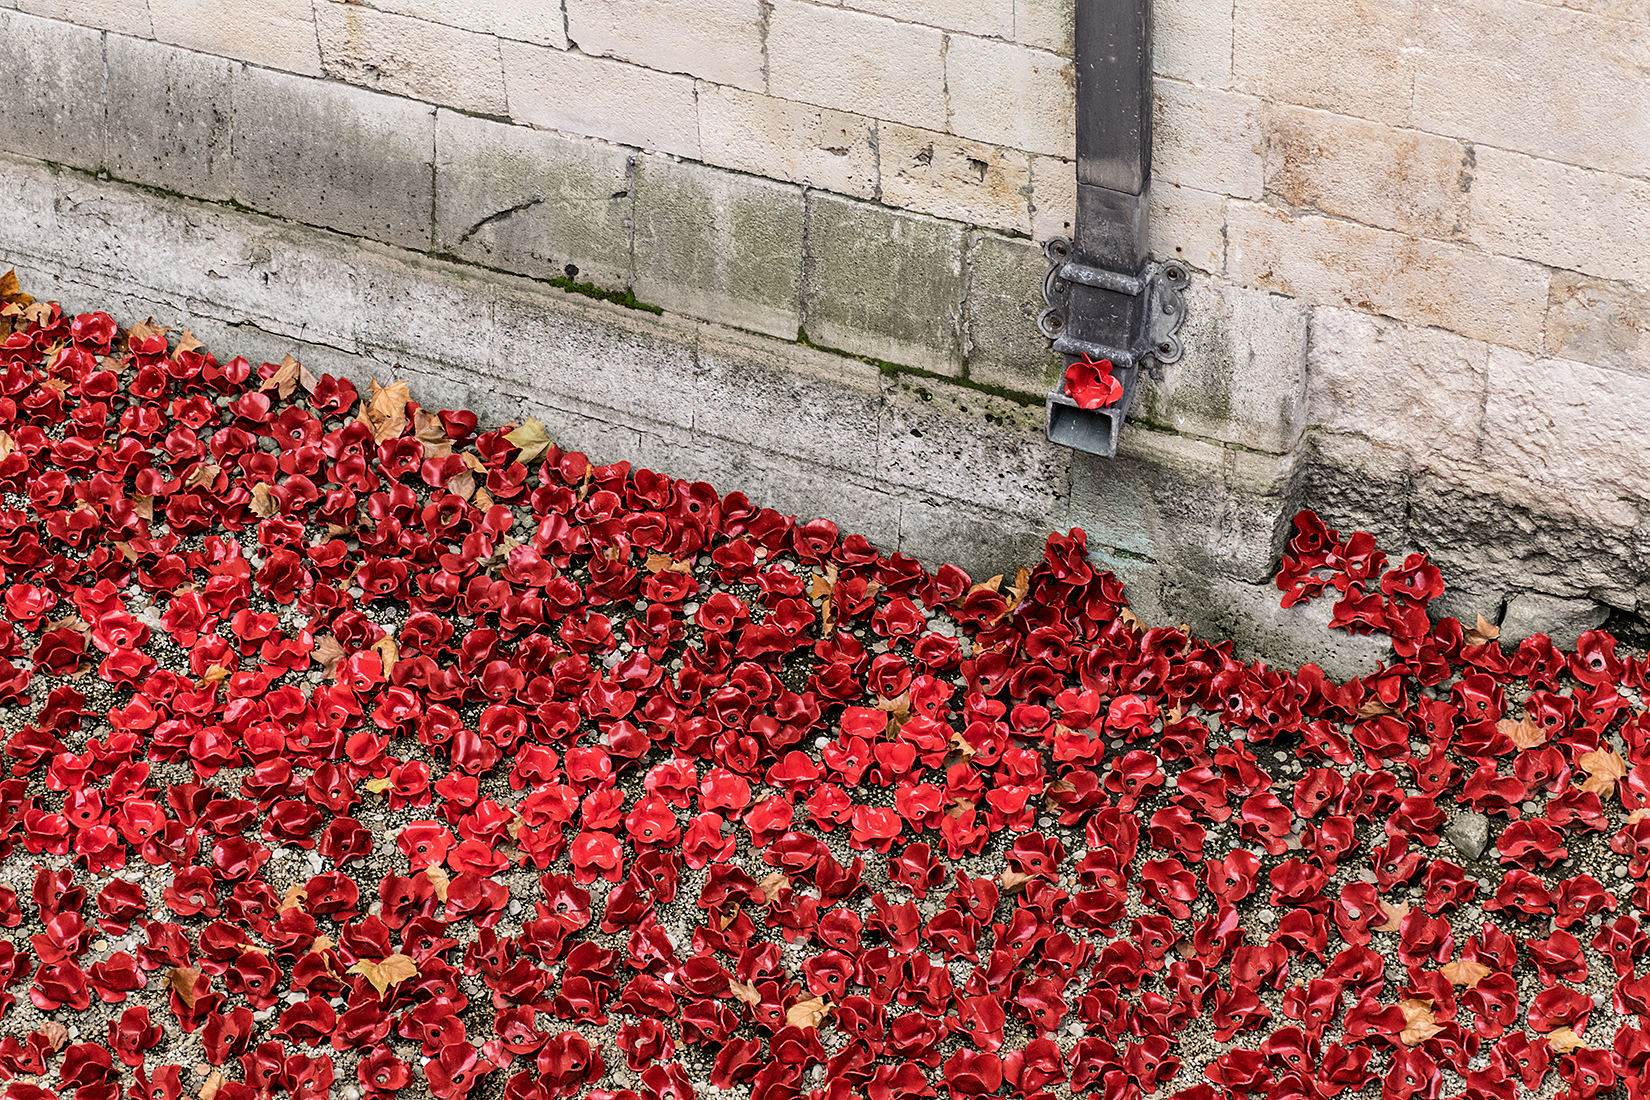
(932,467)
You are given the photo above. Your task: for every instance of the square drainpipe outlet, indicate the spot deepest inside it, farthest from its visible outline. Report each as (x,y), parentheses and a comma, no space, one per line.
(1108,304)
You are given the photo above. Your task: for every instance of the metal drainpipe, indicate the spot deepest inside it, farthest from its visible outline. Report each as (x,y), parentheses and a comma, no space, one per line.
(1106,299)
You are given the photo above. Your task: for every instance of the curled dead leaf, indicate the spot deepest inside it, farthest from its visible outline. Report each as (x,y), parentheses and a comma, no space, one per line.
(210,1087)
(808,1013)
(773,884)
(386,972)
(185,982)
(462,485)
(187,342)
(1525,734)
(294,897)
(55,1034)
(144,507)
(385,411)
(1012,882)
(264,505)
(1131,620)
(1419,1022)
(664,563)
(7,444)
(439,879)
(1395,914)
(1375,707)
(482,500)
(378,785)
(1603,767)
(1564,1040)
(387,651)
(744,991)
(204,473)
(1484,633)
(1465,972)
(328,653)
(532,440)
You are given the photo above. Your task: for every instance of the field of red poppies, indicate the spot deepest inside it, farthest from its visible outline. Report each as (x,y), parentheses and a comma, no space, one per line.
(351,749)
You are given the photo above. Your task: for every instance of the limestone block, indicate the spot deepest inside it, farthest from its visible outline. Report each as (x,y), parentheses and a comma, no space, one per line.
(522,20)
(550,345)
(417,307)
(169,117)
(1189,225)
(1046,24)
(1349,58)
(51,80)
(532,202)
(1561,620)
(1588,221)
(1354,485)
(936,530)
(1252,616)
(1568,424)
(1420,390)
(1369,172)
(1053,197)
(332,155)
(410,57)
(121,16)
(993,18)
(719,40)
(1242,377)
(1424,282)
(1598,321)
(819,408)
(781,139)
(989,451)
(953,177)
(1207,139)
(1486,75)
(559,90)
(852,61)
(1005,295)
(1192,40)
(277,33)
(1494,534)
(883,283)
(1009,94)
(719,245)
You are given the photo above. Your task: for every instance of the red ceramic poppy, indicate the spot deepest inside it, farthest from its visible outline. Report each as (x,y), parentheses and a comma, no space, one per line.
(1091,384)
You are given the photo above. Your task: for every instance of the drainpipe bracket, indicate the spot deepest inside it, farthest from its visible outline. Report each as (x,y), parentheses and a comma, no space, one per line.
(1156,312)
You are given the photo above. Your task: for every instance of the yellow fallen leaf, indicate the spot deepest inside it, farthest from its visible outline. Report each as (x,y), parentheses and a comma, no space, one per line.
(1465,972)
(532,440)
(808,1013)
(386,972)
(1564,1040)
(378,785)
(294,897)
(11,291)
(215,674)
(482,500)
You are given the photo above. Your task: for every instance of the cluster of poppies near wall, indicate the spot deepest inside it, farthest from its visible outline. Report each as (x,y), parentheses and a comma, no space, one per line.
(351,748)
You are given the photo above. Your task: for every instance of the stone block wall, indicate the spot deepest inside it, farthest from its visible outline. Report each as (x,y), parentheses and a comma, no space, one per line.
(1421,255)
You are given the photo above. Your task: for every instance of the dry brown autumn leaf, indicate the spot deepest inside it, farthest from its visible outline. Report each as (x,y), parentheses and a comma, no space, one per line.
(1465,972)
(144,507)
(1395,914)
(1524,733)
(1564,1040)
(1021,586)
(1013,882)
(11,291)
(430,431)
(1131,620)
(182,981)
(285,379)
(7,444)
(773,884)
(744,991)
(462,485)
(1603,767)
(1374,708)
(147,328)
(203,474)
(386,972)
(55,1034)
(388,652)
(439,879)
(294,897)
(1419,1022)
(187,342)
(264,505)
(664,563)
(210,1087)
(532,440)
(215,674)
(328,652)
(1484,633)
(482,500)
(808,1013)
(385,411)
